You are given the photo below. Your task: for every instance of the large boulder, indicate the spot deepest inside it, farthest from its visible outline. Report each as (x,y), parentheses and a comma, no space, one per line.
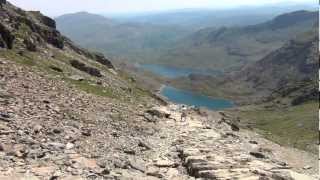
(158,113)
(307,96)
(101,59)
(2,2)
(82,67)
(6,38)
(54,38)
(44,19)
(49,35)
(48,22)
(30,45)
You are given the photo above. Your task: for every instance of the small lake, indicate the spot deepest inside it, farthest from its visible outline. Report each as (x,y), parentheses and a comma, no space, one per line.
(193,99)
(173,72)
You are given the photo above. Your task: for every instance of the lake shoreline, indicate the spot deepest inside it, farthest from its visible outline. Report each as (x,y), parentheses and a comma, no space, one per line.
(176,72)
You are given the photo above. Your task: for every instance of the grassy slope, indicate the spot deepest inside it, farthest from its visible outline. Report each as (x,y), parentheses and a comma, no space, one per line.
(37,62)
(295,126)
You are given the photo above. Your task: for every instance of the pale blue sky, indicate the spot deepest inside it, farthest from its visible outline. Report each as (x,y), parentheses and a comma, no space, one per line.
(58,7)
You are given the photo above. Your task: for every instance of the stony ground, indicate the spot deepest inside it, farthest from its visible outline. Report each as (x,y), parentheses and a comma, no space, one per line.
(50,130)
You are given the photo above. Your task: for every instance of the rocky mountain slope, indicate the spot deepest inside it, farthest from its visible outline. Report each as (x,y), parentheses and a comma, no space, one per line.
(66,113)
(287,71)
(230,48)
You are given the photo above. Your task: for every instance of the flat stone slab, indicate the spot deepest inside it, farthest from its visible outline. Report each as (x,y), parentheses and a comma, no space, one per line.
(165,163)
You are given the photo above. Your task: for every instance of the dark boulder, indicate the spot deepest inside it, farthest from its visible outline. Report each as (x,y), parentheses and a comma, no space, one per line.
(6,40)
(313,95)
(2,2)
(234,126)
(30,45)
(82,67)
(48,22)
(24,20)
(56,68)
(258,155)
(158,113)
(54,38)
(101,59)
(2,43)
(49,35)
(44,19)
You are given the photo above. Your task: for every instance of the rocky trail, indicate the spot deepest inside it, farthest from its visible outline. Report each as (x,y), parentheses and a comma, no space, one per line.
(207,147)
(49,130)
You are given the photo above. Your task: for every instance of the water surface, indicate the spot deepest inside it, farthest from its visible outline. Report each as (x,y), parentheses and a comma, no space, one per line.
(193,99)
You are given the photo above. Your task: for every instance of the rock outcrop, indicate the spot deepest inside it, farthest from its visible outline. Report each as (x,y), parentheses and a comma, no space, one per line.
(289,71)
(33,31)
(82,67)
(2,2)
(6,37)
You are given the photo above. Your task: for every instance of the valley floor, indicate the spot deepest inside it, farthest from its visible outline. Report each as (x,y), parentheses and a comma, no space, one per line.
(49,130)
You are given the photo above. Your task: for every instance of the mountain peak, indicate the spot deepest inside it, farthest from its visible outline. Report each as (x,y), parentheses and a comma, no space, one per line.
(293,18)
(85,17)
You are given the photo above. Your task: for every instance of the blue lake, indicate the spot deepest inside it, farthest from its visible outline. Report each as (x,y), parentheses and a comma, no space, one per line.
(173,72)
(193,99)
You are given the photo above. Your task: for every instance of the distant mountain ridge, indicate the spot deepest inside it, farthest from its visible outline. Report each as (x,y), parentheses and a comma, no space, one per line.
(198,18)
(231,48)
(122,40)
(290,71)
(288,74)
(81,17)
(147,39)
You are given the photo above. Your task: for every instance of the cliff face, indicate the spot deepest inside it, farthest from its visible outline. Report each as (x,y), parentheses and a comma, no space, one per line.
(32,31)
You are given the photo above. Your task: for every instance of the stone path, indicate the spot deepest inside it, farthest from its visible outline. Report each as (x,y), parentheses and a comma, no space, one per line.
(214,151)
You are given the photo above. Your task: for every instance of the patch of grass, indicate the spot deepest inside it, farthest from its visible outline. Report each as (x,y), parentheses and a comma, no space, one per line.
(136,91)
(296,126)
(91,88)
(23,31)
(12,55)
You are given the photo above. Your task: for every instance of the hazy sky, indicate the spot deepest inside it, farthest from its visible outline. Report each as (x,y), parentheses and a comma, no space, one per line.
(58,7)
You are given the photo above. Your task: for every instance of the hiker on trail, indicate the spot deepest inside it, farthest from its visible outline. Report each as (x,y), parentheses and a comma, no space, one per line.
(184,113)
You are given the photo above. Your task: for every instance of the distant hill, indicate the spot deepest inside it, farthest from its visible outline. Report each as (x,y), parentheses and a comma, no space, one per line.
(201,18)
(81,17)
(157,37)
(124,40)
(230,48)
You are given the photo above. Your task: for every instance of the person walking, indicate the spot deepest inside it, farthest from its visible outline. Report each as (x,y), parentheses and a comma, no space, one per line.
(184,113)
